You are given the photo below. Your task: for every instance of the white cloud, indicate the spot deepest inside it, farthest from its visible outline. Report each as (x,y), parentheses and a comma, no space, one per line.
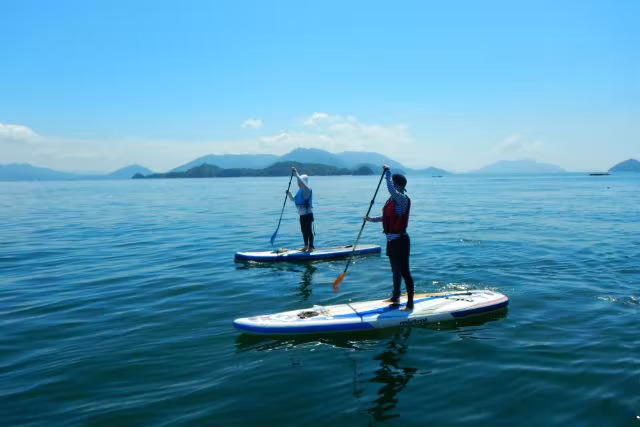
(314,118)
(17,133)
(252,123)
(516,144)
(324,119)
(337,133)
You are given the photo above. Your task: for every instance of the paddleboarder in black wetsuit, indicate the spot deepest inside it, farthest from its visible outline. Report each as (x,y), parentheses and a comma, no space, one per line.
(395,218)
(303,200)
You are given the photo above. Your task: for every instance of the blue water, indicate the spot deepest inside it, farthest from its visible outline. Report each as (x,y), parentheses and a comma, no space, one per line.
(117,301)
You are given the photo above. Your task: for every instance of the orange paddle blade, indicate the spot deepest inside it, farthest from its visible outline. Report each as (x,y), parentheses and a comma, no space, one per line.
(336,283)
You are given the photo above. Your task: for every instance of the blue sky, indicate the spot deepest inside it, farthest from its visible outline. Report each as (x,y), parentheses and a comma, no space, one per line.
(97,85)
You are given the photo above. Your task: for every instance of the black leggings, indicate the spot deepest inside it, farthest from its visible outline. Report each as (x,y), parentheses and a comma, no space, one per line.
(307,229)
(398,252)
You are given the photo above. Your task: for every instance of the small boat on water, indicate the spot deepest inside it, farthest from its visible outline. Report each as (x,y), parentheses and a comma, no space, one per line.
(599,173)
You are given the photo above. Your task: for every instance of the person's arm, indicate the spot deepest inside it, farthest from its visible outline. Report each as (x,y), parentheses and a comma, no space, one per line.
(400,199)
(393,191)
(373,219)
(290,196)
(306,191)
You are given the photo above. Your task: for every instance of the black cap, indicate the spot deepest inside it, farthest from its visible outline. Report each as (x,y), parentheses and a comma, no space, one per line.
(399,180)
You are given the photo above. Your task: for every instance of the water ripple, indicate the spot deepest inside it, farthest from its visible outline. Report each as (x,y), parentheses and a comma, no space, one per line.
(116,301)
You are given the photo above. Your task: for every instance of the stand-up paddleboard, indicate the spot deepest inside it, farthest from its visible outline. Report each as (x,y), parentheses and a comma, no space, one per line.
(428,308)
(297,255)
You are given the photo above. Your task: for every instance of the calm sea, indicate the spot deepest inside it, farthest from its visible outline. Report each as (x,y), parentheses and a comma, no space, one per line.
(117,300)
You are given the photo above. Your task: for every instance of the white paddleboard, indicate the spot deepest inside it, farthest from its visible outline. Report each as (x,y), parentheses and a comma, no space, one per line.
(428,308)
(297,255)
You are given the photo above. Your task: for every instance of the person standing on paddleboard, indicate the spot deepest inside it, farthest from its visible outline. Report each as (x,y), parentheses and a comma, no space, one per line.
(303,201)
(395,218)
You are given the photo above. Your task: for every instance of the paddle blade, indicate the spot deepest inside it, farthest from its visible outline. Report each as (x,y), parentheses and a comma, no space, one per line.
(275,233)
(336,283)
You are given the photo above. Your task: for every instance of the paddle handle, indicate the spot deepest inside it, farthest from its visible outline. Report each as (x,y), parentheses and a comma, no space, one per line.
(364,221)
(273,237)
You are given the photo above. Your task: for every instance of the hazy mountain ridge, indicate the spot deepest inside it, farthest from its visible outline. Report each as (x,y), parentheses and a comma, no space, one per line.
(128,171)
(630,165)
(278,169)
(347,159)
(245,165)
(27,172)
(313,155)
(228,161)
(357,158)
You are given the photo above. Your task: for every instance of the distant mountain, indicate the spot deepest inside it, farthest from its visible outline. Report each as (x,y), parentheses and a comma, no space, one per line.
(317,169)
(631,165)
(277,169)
(347,159)
(26,172)
(201,171)
(313,155)
(363,170)
(353,159)
(226,161)
(526,166)
(430,171)
(127,172)
(348,162)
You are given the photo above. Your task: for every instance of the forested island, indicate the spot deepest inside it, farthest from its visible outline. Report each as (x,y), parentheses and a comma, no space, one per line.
(206,170)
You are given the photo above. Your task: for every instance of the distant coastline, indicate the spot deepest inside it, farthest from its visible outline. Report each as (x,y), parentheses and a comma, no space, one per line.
(279,169)
(312,161)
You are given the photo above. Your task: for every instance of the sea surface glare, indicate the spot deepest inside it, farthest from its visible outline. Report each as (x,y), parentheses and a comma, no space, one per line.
(117,300)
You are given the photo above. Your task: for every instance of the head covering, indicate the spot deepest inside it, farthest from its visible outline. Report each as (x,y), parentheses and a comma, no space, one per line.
(399,181)
(305,178)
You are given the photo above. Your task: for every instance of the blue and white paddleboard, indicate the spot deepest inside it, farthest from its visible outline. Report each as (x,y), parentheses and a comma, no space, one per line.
(428,308)
(297,255)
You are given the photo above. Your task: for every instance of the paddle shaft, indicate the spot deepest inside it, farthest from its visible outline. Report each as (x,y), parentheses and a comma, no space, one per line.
(273,237)
(364,221)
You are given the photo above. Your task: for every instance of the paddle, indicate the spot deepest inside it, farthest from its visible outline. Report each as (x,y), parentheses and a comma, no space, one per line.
(273,237)
(337,282)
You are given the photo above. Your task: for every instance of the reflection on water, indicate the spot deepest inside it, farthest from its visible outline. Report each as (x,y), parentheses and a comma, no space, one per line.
(307,270)
(463,327)
(305,281)
(388,346)
(362,340)
(392,375)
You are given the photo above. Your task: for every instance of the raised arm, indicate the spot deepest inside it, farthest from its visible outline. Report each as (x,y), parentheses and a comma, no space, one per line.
(305,188)
(393,191)
(396,196)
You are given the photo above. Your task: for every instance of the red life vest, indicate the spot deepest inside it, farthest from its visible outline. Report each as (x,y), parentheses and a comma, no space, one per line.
(392,222)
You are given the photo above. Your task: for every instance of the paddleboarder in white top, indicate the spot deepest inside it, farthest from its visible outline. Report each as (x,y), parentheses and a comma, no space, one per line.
(304,203)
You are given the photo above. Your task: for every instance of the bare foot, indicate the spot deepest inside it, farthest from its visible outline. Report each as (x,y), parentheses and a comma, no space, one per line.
(392,301)
(304,249)
(407,308)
